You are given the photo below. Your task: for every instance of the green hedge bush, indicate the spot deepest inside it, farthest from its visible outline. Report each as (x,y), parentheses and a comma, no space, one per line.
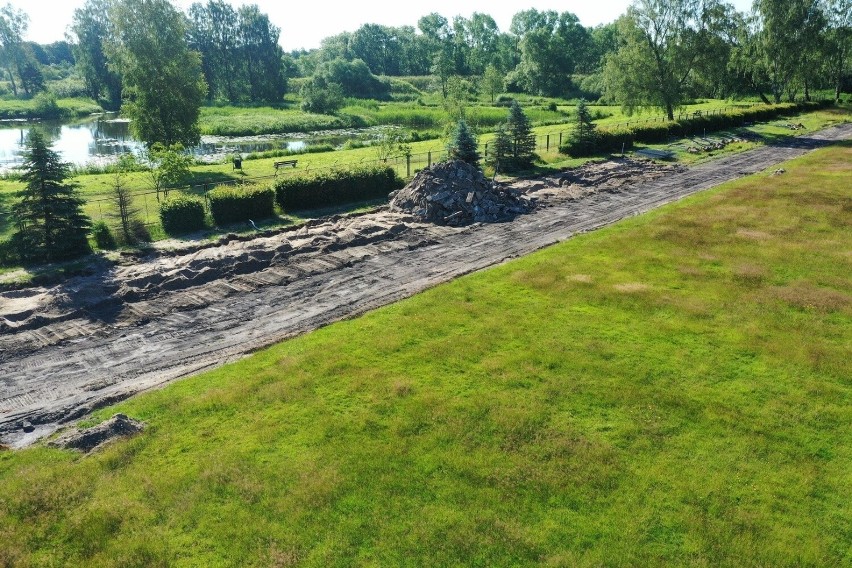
(182,214)
(103,236)
(611,140)
(328,188)
(235,203)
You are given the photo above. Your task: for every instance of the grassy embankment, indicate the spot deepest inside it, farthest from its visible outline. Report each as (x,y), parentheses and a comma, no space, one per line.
(29,108)
(673,390)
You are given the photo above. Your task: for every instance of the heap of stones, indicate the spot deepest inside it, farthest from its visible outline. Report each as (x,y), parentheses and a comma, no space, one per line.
(456,193)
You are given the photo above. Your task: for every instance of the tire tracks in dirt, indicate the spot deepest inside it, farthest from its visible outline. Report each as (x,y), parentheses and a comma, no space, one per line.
(53,371)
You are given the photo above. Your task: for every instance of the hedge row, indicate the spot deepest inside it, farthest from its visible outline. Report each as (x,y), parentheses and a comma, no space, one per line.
(182,214)
(335,187)
(613,140)
(233,203)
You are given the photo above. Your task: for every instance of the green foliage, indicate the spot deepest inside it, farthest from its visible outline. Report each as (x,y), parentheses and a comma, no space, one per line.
(169,167)
(321,96)
(329,188)
(582,140)
(500,150)
(50,219)
(462,145)
(493,81)
(354,79)
(182,214)
(46,106)
(91,27)
(522,138)
(253,121)
(163,83)
(103,236)
(235,203)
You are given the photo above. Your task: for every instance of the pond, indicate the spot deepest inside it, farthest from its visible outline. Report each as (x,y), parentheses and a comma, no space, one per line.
(99,140)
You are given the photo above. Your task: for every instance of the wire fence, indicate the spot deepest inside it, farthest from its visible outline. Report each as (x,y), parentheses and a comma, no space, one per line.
(405,166)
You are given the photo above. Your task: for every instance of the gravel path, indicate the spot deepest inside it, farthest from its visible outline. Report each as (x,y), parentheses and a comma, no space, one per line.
(94,340)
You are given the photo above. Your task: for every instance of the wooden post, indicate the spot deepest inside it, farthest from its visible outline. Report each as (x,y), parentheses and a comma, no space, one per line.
(429,159)
(548,142)
(560,139)
(486,150)
(408,165)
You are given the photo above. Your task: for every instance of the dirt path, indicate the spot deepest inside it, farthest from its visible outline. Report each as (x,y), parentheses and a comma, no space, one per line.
(94,340)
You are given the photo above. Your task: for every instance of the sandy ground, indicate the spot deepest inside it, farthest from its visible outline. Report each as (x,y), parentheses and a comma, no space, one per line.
(90,341)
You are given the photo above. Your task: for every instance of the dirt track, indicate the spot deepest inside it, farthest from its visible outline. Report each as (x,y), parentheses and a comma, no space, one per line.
(67,349)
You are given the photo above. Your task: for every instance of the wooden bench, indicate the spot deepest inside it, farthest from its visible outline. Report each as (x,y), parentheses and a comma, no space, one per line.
(282,163)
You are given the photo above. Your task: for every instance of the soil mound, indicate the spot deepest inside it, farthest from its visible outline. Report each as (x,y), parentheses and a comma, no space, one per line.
(92,438)
(457,193)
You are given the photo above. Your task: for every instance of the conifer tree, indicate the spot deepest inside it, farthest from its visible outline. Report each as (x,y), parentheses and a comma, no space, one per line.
(462,145)
(521,135)
(500,153)
(50,219)
(582,139)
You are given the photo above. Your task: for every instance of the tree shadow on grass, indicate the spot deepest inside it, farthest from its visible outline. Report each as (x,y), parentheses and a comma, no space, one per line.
(6,201)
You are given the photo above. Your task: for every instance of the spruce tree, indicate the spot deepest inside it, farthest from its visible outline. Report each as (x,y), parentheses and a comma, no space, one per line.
(582,140)
(50,219)
(462,145)
(500,153)
(521,135)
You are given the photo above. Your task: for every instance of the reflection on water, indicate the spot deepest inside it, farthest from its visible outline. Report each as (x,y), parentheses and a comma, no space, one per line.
(99,140)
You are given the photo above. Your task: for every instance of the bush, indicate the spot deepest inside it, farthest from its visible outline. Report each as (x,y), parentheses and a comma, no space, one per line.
(103,236)
(182,214)
(611,140)
(8,253)
(335,187)
(234,203)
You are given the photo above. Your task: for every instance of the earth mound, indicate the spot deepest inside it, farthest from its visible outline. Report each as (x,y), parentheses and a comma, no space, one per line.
(92,438)
(456,193)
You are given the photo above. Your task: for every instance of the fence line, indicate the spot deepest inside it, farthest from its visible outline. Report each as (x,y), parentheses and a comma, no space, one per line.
(404,165)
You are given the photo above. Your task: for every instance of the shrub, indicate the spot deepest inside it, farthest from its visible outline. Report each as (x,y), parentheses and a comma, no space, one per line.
(139,231)
(335,187)
(235,203)
(103,236)
(182,214)
(8,253)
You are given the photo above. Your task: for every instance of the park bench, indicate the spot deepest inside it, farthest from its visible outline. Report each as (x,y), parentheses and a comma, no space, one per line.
(282,163)
(655,154)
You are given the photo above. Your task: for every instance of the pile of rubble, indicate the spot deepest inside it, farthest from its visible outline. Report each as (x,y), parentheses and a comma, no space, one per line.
(456,193)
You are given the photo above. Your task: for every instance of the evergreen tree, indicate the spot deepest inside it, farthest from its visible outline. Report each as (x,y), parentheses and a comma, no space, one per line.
(50,219)
(521,135)
(582,139)
(500,152)
(462,145)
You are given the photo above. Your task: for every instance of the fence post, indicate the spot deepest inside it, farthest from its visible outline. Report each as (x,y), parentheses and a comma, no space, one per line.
(548,143)
(560,139)
(486,150)
(429,159)
(408,165)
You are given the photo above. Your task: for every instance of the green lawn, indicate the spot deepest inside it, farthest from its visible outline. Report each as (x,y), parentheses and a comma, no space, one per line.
(674,390)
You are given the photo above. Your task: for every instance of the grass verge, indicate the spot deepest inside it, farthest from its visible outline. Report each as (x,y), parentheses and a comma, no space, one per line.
(672,390)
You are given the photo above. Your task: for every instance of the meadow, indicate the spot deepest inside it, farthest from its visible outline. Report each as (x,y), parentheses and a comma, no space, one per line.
(672,390)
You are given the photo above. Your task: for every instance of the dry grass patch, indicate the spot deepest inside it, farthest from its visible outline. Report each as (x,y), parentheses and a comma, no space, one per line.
(806,296)
(632,287)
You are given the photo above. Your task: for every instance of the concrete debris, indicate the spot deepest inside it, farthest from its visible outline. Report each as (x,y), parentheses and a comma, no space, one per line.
(118,426)
(457,194)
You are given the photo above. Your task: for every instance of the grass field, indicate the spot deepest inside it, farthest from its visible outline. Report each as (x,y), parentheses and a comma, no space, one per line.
(673,390)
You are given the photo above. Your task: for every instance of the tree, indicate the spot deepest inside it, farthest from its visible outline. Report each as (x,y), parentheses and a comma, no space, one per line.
(661,42)
(462,145)
(163,83)
(582,138)
(91,28)
(125,211)
(50,218)
(321,96)
(521,137)
(492,81)
(168,167)
(261,55)
(16,56)
(838,16)
(500,154)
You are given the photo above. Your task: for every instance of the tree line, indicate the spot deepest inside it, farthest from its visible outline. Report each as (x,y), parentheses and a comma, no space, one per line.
(160,64)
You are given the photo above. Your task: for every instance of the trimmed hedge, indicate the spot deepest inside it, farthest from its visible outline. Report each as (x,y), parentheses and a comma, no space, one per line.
(182,214)
(235,203)
(328,188)
(611,140)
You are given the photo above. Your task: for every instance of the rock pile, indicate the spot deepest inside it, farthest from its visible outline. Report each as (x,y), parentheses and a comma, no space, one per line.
(456,193)
(92,438)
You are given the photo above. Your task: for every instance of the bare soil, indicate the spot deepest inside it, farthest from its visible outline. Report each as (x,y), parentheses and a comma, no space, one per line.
(93,340)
